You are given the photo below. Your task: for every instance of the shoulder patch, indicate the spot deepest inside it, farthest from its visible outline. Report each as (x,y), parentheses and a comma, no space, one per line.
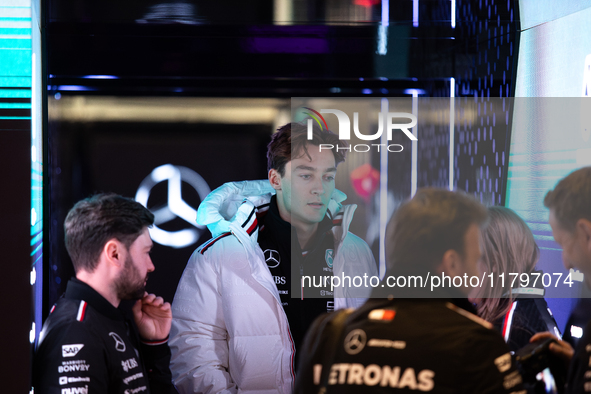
(469,315)
(81,311)
(251,222)
(209,243)
(382,314)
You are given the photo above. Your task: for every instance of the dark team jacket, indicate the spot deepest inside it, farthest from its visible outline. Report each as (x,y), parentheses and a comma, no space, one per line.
(579,373)
(88,346)
(286,260)
(409,346)
(526,317)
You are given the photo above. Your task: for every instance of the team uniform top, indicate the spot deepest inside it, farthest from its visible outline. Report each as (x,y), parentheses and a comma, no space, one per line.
(88,346)
(287,261)
(406,346)
(529,314)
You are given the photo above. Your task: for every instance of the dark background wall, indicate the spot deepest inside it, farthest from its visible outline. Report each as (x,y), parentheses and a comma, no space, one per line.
(15,162)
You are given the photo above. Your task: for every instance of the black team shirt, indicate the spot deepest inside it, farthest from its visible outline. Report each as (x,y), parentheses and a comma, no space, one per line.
(286,260)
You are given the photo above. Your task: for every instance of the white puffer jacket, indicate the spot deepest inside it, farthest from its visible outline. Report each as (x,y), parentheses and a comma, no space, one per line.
(229,331)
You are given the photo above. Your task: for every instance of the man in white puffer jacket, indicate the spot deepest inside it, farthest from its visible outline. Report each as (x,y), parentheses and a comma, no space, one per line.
(235,324)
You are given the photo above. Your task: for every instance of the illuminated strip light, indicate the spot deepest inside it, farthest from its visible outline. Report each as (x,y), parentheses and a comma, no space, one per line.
(100,77)
(452,114)
(413,91)
(15,25)
(413,171)
(15,37)
(415,13)
(382,40)
(386,12)
(383,193)
(74,88)
(453,14)
(32,333)
(33,99)
(383,28)
(15,12)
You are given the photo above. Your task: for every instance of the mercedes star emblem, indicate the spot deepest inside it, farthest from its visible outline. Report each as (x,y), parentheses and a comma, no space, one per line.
(176,206)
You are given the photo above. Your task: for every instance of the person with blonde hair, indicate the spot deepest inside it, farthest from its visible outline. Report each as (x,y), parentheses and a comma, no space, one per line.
(517,311)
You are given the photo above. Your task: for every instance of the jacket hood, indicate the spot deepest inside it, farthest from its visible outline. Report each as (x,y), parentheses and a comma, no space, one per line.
(221,207)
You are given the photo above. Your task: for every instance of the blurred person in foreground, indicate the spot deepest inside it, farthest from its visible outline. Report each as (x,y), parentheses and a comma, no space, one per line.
(509,249)
(91,343)
(237,319)
(570,219)
(417,339)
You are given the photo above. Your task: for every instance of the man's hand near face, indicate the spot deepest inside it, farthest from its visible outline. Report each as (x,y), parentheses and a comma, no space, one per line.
(153,317)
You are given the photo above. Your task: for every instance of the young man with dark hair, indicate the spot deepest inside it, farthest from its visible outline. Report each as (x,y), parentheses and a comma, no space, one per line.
(415,339)
(570,219)
(237,320)
(89,343)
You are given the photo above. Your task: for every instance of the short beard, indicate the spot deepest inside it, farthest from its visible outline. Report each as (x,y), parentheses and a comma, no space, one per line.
(128,286)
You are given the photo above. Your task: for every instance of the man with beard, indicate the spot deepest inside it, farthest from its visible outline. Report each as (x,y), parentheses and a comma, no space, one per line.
(89,343)
(570,219)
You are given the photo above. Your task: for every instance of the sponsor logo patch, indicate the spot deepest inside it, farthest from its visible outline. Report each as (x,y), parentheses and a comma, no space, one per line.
(133,377)
(119,344)
(503,363)
(67,379)
(386,343)
(329,257)
(272,258)
(512,380)
(135,391)
(355,341)
(73,366)
(75,390)
(377,375)
(71,350)
(129,364)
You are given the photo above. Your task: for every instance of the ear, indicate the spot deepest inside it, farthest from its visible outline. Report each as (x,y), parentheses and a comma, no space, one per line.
(113,252)
(583,227)
(275,179)
(450,263)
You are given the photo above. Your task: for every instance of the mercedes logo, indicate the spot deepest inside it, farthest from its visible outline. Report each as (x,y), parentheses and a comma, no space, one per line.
(272,258)
(119,344)
(175,207)
(355,341)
